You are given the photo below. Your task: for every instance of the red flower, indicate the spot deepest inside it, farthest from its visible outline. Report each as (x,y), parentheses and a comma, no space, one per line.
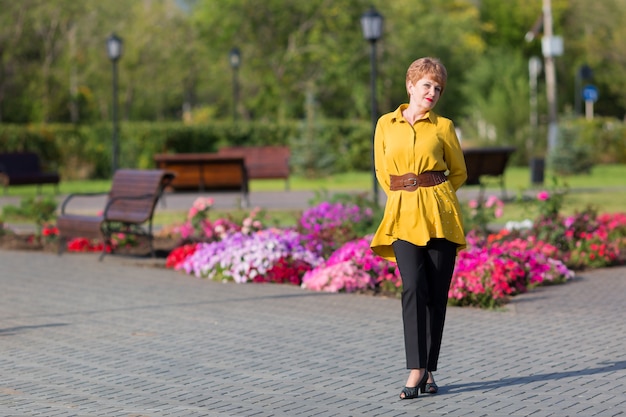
(178,255)
(50,231)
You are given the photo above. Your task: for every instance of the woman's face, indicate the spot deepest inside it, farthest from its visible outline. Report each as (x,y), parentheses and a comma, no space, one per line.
(424,93)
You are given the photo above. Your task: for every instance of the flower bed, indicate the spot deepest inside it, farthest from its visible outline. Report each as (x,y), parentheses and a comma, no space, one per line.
(271,255)
(324,252)
(328,250)
(492,270)
(353,267)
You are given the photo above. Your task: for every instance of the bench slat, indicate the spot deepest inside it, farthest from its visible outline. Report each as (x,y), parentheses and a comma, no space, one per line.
(206,171)
(262,162)
(131,203)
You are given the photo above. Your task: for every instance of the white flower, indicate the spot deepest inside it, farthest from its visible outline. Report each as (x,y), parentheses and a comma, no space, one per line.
(523,225)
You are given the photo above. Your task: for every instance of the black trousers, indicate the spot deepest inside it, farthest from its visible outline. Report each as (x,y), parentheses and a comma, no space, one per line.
(426,274)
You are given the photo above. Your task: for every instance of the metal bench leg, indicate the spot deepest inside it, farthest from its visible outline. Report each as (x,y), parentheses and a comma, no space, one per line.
(151,239)
(106,239)
(104,252)
(62,245)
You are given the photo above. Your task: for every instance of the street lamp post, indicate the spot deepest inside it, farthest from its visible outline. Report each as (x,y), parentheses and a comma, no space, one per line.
(537,165)
(372,26)
(114,50)
(234,57)
(551,46)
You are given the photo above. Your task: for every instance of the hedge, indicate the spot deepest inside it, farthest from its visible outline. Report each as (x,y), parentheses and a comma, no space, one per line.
(318,148)
(84,151)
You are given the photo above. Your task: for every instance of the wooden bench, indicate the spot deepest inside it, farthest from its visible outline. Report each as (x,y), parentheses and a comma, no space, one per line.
(263,162)
(24,168)
(129,209)
(487,162)
(206,171)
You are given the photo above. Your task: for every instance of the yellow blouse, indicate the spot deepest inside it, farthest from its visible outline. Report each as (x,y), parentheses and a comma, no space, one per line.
(417,216)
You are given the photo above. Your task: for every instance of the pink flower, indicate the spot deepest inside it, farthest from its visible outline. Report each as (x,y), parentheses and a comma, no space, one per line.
(543,195)
(202,203)
(492,201)
(192,213)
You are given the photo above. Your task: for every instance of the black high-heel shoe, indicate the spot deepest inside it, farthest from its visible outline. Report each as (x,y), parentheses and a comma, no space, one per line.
(413,392)
(429,387)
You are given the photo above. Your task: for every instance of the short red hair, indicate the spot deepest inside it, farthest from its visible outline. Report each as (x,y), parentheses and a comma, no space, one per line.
(427,66)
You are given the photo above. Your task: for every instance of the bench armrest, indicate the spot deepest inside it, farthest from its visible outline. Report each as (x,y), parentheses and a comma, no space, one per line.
(78,195)
(126,198)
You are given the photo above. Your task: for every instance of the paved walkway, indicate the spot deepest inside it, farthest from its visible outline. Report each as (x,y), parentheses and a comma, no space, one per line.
(80,337)
(182,201)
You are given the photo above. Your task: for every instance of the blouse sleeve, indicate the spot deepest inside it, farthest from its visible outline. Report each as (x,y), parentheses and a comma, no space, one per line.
(453,154)
(382,174)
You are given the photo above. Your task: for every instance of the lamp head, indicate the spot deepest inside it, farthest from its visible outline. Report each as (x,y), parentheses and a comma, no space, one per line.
(114,47)
(234,57)
(372,25)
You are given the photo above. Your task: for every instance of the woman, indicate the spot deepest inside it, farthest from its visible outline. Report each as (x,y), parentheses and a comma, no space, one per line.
(420,165)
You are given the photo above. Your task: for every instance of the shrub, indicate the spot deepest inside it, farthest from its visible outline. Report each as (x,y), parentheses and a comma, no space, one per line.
(242,258)
(487,274)
(38,210)
(327,226)
(354,267)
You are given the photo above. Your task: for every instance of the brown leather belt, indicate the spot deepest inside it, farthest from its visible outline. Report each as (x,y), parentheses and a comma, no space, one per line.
(411,181)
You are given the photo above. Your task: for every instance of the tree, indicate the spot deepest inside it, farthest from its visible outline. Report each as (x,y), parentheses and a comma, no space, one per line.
(446,29)
(14,63)
(301,59)
(498,111)
(290,49)
(596,35)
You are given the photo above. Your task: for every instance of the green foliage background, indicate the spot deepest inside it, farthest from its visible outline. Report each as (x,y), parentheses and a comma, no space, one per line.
(320,148)
(304,78)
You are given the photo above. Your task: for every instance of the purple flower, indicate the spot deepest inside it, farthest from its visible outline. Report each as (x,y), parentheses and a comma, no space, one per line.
(240,257)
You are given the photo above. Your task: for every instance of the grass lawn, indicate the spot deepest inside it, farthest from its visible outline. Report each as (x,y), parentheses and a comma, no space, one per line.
(604,188)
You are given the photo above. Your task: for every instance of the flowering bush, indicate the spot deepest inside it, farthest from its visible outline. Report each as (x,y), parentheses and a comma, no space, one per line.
(327,226)
(242,258)
(597,242)
(124,240)
(324,254)
(550,202)
(178,255)
(487,274)
(81,244)
(585,239)
(548,221)
(353,267)
(49,233)
(118,240)
(285,271)
(480,213)
(198,226)
(41,210)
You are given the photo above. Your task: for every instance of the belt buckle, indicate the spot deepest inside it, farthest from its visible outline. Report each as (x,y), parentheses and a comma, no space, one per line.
(412,183)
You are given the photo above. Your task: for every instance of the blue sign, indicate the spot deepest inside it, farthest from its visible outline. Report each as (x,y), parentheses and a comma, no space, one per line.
(590,93)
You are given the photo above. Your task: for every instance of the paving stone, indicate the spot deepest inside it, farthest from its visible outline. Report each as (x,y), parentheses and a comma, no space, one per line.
(114,338)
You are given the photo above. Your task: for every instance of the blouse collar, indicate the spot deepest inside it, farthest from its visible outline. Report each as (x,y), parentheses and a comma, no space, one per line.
(398,117)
